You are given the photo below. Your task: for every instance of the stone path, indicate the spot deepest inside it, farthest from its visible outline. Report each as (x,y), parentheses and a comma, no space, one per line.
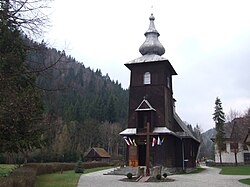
(208,178)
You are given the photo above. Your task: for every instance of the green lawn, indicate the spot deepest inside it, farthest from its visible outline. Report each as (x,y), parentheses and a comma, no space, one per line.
(66,179)
(5,169)
(235,170)
(245,181)
(198,170)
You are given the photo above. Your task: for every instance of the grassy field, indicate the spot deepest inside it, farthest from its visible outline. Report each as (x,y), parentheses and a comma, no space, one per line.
(66,179)
(5,169)
(198,170)
(245,181)
(239,170)
(235,170)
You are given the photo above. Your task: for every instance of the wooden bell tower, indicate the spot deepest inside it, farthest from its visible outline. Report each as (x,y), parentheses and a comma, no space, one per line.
(151,115)
(151,82)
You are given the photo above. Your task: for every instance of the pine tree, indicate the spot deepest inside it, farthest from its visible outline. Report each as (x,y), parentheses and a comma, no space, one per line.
(20,102)
(219,119)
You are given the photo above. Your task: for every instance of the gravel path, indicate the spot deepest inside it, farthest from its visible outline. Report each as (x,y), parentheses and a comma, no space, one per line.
(210,177)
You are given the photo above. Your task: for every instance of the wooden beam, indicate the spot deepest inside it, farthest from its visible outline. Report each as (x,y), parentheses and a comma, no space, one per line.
(147,151)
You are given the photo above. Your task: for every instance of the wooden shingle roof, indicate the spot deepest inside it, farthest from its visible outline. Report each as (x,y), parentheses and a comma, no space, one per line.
(240,128)
(186,132)
(97,152)
(236,129)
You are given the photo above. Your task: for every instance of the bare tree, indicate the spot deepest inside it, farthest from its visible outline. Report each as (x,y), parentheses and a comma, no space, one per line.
(232,114)
(27,15)
(234,145)
(109,134)
(247,113)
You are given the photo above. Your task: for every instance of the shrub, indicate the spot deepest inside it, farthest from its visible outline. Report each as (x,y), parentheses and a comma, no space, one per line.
(79,167)
(129,175)
(46,168)
(158,177)
(79,170)
(165,175)
(89,165)
(25,176)
(21,177)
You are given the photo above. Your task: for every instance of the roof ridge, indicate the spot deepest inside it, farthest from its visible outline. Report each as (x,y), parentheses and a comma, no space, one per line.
(183,126)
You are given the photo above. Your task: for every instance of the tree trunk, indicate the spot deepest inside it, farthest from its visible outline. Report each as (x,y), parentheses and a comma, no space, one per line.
(25,156)
(117,149)
(235,156)
(220,158)
(10,158)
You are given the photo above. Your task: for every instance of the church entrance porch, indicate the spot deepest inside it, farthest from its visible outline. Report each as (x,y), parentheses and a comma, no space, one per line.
(142,155)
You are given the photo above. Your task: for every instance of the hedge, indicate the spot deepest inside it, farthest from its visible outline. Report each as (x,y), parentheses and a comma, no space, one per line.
(26,175)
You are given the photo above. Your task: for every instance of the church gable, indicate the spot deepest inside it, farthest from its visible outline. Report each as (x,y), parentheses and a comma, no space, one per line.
(145,106)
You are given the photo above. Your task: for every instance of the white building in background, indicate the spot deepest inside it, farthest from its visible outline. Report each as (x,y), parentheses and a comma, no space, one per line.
(236,141)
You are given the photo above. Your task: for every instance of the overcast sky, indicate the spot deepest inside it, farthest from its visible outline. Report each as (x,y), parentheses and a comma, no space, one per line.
(207,42)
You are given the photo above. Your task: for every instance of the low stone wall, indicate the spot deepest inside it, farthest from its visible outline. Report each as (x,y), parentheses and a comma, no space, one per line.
(137,171)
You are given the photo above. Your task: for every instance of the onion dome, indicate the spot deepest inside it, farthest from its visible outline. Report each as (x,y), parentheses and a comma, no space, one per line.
(152,44)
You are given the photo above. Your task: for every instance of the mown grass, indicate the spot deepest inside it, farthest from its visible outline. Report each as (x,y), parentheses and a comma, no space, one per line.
(234,170)
(6,169)
(245,181)
(198,170)
(65,179)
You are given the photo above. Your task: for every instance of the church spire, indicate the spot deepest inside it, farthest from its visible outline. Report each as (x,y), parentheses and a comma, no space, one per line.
(152,44)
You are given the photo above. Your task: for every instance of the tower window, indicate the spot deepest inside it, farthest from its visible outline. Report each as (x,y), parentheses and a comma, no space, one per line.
(168,81)
(147,78)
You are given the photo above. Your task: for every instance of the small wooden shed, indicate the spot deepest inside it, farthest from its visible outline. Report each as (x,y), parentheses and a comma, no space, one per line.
(97,154)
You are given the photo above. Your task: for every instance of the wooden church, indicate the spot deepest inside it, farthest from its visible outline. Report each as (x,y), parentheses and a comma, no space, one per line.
(156,136)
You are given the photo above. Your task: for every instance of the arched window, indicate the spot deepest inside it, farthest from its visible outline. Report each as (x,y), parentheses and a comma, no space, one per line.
(147,78)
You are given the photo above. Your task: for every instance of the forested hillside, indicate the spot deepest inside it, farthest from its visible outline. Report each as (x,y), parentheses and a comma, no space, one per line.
(79,93)
(82,107)
(207,146)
